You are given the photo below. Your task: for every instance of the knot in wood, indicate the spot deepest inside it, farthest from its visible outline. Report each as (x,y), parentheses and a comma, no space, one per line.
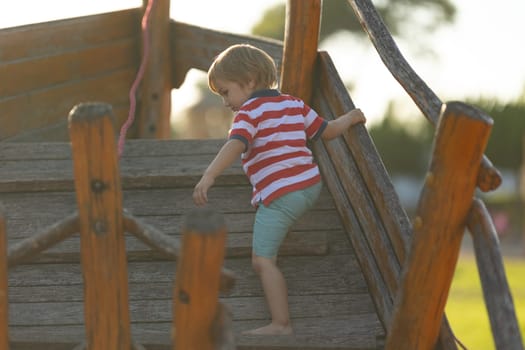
(418,223)
(184,297)
(430,179)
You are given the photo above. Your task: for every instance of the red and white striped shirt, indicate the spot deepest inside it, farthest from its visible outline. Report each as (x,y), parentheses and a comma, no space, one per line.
(275,128)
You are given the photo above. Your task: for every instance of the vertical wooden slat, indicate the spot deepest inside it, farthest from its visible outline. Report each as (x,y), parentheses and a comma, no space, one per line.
(102,248)
(155,94)
(441,217)
(196,293)
(303,19)
(496,291)
(4,329)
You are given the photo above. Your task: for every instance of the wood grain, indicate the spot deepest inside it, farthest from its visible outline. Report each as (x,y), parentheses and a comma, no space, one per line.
(103,252)
(447,193)
(301,37)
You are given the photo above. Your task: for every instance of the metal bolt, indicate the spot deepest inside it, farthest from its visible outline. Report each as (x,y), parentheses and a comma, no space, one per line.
(98,186)
(100,227)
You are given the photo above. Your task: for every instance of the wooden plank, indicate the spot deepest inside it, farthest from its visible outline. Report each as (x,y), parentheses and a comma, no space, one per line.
(136,148)
(23,225)
(496,290)
(196,47)
(4,300)
(83,63)
(57,131)
(159,310)
(377,287)
(38,109)
(237,245)
(361,147)
(343,333)
(167,171)
(103,252)
(301,37)
(144,202)
(305,275)
(48,38)
(438,227)
(356,190)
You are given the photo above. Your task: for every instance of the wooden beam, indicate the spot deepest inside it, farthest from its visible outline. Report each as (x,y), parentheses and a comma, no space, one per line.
(439,224)
(168,246)
(153,120)
(4,325)
(196,47)
(498,299)
(31,246)
(303,19)
(428,102)
(103,252)
(196,293)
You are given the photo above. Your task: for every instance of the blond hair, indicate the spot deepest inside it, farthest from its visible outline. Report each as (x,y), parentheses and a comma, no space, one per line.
(243,63)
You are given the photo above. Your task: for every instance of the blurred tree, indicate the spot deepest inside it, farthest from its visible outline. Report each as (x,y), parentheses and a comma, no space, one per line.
(404,146)
(505,146)
(400,16)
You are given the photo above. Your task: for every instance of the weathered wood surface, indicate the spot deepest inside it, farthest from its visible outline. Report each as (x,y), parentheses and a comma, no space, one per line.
(428,102)
(447,193)
(53,66)
(4,330)
(301,37)
(496,291)
(103,251)
(352,195)
(330,303)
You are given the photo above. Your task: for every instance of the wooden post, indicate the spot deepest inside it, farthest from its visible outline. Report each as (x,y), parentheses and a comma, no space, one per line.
(4,302)
(441,216)
(496,291)
(155,93)
(102,248)
(197,281)
(303,19)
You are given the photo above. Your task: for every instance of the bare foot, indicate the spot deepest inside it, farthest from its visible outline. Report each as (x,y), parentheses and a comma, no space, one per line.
(271,329)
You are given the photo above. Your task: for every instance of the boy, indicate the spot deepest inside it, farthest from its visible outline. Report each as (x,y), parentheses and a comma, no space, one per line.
(270,131)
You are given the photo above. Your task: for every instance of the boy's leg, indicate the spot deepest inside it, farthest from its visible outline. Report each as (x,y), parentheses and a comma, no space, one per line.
(271,226)
(276,293)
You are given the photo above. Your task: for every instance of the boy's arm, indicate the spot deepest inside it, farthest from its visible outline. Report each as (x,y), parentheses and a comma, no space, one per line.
(230,152)
(337,126)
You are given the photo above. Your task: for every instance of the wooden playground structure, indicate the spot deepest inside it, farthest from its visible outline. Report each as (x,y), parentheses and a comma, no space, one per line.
(102,250)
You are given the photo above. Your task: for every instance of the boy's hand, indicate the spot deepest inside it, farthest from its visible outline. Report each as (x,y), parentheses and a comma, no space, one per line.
(200,192)
(356,117)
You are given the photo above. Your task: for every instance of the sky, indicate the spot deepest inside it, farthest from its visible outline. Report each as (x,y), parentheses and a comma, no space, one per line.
(481,54)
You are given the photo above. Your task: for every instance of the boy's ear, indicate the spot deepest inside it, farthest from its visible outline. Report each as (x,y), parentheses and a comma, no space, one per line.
(251,84)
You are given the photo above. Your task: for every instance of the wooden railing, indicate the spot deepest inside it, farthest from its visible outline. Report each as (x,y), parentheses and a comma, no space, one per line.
(403,334)
(202,322)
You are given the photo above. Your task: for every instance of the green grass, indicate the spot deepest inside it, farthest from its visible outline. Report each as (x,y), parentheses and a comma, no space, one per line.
(466,310)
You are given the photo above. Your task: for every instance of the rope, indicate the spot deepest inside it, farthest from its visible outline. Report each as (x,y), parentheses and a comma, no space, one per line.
(138,78)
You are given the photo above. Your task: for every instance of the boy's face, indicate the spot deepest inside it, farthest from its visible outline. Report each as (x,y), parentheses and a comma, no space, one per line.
(233,94)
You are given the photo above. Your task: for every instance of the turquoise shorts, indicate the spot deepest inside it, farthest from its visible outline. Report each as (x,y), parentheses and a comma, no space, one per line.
(272,222)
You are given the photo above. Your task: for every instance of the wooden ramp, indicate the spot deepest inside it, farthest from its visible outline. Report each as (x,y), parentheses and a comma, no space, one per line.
(330,304)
